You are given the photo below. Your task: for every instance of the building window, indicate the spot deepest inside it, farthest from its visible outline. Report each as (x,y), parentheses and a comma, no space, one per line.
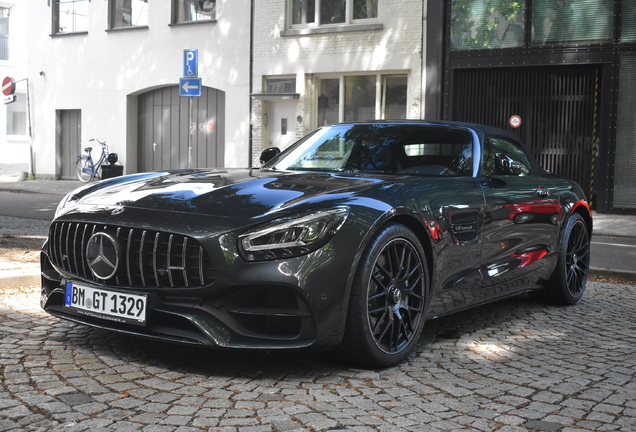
(628,25)
(184,11)
(4,33)
(70,16)
(361,98)
(327,12)
(591,21)
(281,85)
(128,13)
(476,24)
(17,115)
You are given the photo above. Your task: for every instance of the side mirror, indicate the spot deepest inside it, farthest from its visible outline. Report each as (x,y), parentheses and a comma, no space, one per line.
(268,154)
(505,165)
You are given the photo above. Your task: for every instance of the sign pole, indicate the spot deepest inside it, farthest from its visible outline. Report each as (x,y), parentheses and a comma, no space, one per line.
(190,85)
(190,136)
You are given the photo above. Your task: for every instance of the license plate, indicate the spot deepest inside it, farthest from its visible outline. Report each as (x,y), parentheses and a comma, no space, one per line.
(105,304)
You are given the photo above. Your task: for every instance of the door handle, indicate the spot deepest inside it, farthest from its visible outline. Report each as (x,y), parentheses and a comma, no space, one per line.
(542,192)
(154,146)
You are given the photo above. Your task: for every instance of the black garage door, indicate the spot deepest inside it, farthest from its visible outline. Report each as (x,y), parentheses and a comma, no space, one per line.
(556,105)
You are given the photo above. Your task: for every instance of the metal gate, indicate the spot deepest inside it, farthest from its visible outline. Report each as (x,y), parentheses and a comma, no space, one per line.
(163,132)
(556,105)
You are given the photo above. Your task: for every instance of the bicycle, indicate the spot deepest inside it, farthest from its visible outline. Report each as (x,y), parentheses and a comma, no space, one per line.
(86,169)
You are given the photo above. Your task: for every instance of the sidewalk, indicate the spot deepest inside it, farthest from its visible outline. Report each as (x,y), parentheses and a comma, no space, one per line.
(621,228)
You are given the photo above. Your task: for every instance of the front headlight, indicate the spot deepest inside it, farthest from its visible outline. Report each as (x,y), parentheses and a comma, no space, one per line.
(292,236)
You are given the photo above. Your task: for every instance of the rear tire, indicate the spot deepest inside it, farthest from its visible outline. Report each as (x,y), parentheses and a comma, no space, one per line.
(82,164)
(567,283)
(388,300)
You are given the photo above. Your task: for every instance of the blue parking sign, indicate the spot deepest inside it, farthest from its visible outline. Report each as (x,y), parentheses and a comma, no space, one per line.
(190,63)
(190,86)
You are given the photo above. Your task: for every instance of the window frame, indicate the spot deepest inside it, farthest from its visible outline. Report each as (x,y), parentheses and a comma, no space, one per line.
(55,16)
(6,46)
(349,21)
(380,93)
(112,16)
(174,14)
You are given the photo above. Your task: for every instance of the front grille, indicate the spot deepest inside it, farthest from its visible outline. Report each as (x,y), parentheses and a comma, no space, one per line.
(147,258)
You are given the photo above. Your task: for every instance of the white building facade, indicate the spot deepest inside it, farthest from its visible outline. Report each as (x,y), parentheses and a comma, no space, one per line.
(110,70)
(14,122)
(319,62)
(270,73)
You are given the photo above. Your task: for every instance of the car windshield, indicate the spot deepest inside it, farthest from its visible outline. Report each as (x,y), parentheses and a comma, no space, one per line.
(411,149)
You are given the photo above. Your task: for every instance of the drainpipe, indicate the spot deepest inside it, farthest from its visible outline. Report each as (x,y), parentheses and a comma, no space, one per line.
(251,82)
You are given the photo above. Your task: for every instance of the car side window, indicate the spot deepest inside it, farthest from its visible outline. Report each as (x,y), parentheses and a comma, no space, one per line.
(498,151)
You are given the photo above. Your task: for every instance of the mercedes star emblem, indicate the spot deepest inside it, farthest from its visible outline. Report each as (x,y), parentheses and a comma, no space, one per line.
(102,255)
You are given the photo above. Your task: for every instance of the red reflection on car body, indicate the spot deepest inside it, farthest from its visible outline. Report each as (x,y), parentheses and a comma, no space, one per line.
(435,230)
(530,257)
(550,206)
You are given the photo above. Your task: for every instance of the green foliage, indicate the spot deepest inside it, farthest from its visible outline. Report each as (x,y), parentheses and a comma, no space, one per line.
(472,21)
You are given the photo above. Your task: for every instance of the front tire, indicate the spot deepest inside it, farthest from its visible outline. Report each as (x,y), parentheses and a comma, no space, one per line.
(569,278)
(80,167)
(388,300)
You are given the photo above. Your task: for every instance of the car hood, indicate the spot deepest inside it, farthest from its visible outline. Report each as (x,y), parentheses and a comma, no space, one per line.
(239,193)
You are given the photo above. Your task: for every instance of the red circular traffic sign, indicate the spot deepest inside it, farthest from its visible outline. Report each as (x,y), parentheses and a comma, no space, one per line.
(8,86)
(515,121)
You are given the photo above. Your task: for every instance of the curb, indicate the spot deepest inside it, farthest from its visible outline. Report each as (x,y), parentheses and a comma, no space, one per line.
(613,274)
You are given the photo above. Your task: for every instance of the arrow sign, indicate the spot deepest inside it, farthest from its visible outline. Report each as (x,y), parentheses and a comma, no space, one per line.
(190,86)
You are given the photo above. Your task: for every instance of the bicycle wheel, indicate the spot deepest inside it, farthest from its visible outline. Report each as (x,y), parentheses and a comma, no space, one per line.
(84,169)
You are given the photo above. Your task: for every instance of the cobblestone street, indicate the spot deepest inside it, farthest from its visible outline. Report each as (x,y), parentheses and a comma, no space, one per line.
(512,366)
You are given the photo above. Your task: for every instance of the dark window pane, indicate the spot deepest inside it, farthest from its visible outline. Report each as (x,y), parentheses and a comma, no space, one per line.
(332,11)
(195,10)
(328,101)
(479,24)
(360,98)
(582,21)
(130,13)
(303,11)
(395,97)
(628,25)
(281,85)
(364,9)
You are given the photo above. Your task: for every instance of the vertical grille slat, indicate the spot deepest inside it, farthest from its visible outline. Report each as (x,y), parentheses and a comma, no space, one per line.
(141,255)
(129,257)
(155,259)
(170,261)
(149,258)
(184,254)
(201,268)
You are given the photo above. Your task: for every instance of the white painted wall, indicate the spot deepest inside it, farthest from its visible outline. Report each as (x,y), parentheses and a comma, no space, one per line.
(14,149)
(102,71)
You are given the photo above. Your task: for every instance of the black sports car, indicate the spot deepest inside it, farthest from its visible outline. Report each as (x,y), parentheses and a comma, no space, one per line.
(350,239)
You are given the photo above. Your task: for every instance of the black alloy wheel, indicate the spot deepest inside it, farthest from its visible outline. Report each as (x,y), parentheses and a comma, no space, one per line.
(388,300)
(570,275)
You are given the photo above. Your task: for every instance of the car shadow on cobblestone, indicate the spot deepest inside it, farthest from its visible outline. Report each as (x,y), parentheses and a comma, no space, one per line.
(251,363)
